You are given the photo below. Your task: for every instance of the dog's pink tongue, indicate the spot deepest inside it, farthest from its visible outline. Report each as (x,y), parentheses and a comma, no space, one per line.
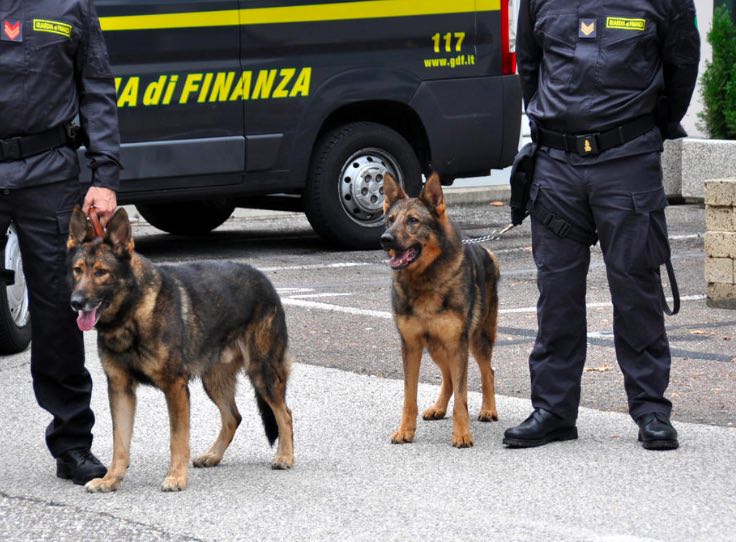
(86,320)
(402,258)
(395,260)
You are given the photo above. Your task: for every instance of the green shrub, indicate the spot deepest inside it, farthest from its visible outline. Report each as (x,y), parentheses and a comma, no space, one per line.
(718,84)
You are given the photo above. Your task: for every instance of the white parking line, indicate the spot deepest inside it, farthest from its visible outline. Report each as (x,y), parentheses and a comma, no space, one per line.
(385,314)
(684,237)
(314,266)
(598,305)
(290,291)
(326,294)
(334,308)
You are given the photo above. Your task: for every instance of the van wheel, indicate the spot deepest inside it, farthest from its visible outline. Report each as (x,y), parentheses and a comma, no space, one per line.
(344,194)
(15,318)
(185,217)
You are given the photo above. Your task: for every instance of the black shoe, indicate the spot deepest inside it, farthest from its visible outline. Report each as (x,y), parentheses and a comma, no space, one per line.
(656,432)
(80,466)
(539,429)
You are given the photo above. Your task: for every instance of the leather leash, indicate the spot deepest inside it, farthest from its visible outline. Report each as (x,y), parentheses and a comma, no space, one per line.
(96,226)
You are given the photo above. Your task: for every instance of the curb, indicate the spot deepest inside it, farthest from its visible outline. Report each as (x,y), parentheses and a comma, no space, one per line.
(456,197)
(481,195)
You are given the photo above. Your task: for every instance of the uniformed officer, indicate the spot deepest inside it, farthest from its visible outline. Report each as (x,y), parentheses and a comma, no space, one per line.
(53,67)
(603,82)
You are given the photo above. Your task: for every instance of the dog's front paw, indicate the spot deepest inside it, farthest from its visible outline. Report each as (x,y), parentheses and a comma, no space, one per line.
(102,485)
(462,440)
(206,460)
(282,462)
(402,436)
(434,413)
(174,483)
(487,416)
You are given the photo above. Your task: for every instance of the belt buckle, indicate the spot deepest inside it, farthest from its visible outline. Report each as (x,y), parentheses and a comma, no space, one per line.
(72,131)
(587,144)
(10,149)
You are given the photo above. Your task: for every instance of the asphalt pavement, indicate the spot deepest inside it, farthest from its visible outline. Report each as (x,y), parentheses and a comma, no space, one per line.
(349,482)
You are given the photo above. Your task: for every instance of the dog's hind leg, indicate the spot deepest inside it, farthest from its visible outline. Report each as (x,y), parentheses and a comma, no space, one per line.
(272,402)
(482,349)
(177,401)
(269,382)
(268,369)
(220,383)
(439,409)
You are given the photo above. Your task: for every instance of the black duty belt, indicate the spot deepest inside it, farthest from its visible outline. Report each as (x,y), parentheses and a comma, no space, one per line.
(595,142)
(17,148)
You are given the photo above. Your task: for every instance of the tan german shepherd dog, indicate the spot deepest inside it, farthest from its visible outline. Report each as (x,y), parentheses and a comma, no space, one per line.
(164,326)
(444,299)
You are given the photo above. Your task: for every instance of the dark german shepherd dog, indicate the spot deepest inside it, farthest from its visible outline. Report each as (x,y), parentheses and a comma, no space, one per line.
(166,325)
(445,300)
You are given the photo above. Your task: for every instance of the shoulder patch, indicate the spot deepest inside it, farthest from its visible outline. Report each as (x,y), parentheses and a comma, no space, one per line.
(52,27)
(12,30)
(623,23)
(587,29)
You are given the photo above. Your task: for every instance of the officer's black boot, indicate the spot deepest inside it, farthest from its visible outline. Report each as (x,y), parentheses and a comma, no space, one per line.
(80,466)
(540,428)
(656,432)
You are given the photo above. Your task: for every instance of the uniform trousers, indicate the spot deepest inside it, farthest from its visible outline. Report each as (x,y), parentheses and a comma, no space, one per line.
(61,383)
(623,200)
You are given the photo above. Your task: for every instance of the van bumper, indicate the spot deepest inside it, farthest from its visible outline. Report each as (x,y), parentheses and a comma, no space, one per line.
(473,124)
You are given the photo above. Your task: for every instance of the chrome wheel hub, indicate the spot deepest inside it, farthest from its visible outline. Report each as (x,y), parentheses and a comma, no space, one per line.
(361,184)
(17,293)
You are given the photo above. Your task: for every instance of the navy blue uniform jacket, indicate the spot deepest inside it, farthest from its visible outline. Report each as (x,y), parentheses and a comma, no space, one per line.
(53,67)
(590,65)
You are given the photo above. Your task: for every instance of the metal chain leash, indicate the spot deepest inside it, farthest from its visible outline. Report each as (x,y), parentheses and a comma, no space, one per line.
(495,235)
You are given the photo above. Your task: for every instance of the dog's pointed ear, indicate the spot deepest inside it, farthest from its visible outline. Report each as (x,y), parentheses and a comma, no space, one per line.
(119,233)
(80,229)
(432,195)
(392,191)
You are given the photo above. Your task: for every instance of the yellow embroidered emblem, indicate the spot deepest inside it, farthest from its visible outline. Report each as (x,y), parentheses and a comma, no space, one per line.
(587,29)
(588,148)
(622,23)
(52,27)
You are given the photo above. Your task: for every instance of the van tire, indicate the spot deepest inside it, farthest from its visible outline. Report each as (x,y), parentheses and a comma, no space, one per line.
(13,338)
(185,217)
(350,160)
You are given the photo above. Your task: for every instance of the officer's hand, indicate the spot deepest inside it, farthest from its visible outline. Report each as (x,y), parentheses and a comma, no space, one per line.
(517,216)
(102,199)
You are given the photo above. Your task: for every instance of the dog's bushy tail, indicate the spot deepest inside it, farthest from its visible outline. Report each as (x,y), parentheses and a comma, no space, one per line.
(269,420)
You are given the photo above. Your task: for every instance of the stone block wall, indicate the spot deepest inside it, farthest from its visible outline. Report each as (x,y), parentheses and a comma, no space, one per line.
(703,159)
(720,242)
(672,169)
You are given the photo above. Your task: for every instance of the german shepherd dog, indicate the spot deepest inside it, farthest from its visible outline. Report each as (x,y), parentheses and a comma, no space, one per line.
(444,299)
(166,325)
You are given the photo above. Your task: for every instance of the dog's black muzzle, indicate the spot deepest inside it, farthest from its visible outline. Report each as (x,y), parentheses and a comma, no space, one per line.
(78,301)
(388,241)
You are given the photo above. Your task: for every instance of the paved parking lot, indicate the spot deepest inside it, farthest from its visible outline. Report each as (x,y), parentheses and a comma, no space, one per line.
(346,390)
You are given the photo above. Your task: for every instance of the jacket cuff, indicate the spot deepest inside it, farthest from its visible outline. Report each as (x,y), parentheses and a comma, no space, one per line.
(673,130)
(106,176)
